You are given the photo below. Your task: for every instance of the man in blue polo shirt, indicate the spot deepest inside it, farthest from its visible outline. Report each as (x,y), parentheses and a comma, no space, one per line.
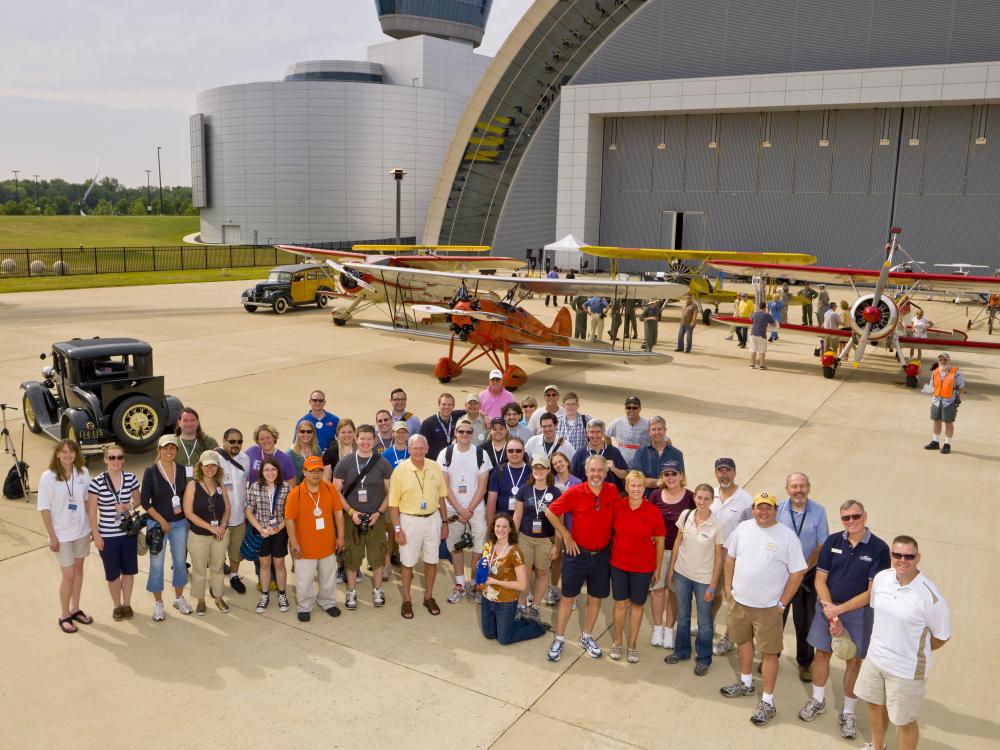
(597,445)
(597,308)
(649,459)
(325,422)
(848,562)
(807,519)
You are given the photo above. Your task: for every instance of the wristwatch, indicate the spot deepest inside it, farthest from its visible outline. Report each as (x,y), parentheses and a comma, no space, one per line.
(397,529)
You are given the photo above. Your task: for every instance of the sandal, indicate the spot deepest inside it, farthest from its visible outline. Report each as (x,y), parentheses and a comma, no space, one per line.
(67,621)
(432,606)
(82,617)
(406,610)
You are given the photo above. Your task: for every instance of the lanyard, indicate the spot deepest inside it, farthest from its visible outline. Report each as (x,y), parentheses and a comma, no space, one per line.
(551,449)
(189,453)
(597,453)
(416,476)
(538,507)
(111,486)
(163,473)
(69,486)
(274,500)
(381,443)
(446,430)
(315,499)
(496,557)
(211,498)
(498,458)
(396,457)
(358,465)
(791,513)
(515,482)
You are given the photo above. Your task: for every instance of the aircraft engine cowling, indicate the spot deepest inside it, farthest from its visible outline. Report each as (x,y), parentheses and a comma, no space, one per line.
(883,316)
(348,281)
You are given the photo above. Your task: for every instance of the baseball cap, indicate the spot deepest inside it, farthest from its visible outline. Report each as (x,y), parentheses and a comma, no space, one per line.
(312,463)
(496,421)
(400,425)
(496,375)
(765,498)
(551,388)
(464,421)
(540,460)
(471,397)
(168,440)
(209,457)
(725,463)
(633,400)
(672,466)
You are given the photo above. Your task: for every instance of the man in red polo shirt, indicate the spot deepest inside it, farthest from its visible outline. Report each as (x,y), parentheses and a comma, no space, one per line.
(587,558)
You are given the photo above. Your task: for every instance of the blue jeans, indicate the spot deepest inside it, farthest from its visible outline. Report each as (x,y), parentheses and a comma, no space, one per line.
(685,331)
(177,540)
(741,335)
(685,589)
(499,622)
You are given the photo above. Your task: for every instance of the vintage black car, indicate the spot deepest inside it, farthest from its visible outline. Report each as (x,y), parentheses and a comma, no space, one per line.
(290,286)
(99,391)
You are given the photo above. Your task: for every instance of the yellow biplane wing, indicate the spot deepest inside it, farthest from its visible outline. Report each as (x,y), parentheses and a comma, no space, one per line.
(426,249)
(654,253)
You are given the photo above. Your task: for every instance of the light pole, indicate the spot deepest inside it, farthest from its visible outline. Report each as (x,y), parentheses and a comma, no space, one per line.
(398,174)
(159,174)
(36,189)
(149,201)
(17,193)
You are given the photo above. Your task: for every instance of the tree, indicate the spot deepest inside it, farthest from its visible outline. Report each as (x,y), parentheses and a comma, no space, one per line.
(103,208)
(61,204)
(138,207)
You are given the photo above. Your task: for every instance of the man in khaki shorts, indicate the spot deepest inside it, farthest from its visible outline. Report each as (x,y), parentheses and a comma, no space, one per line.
(763,570)
(912,619)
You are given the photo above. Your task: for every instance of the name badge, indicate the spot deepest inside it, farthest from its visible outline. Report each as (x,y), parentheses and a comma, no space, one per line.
(836,551)
(536,526)
(423,505)
(274,523)
(214,523)
(176,502)
(463,489)
(71,506)
(362,495)
(512,503)
(320,524)
(189,471)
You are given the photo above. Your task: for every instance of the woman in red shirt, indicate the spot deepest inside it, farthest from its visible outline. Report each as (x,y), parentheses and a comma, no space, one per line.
(636,553)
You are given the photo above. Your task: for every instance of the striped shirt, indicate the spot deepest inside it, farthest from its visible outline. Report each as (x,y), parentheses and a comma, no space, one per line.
(109,519)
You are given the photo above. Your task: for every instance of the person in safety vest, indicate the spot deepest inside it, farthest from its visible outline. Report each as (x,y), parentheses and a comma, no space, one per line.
(947,382)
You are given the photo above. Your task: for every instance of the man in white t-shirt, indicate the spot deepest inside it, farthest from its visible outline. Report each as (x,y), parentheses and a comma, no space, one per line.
(547,441)
(235,473)
(551,405)
(466,470)
(912,619)
(732,506)
(631,432)
(764,568)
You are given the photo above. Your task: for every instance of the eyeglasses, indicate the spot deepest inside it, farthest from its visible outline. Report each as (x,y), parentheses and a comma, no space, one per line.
(515,450)
(539,467)
(851,517)
(903,556)
(318,400)
(115,458)
(463,432)
(235,442)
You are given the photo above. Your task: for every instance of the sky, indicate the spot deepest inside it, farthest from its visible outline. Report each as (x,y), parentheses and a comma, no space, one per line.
(111,81)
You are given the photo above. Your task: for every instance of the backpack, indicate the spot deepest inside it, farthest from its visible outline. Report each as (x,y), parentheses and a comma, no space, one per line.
(16,482)
(450,451)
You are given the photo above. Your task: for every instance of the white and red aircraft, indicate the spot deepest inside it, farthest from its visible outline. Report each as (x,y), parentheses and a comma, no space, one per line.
(876,317)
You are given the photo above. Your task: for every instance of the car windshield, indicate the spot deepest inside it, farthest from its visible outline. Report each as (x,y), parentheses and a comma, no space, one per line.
(279,277)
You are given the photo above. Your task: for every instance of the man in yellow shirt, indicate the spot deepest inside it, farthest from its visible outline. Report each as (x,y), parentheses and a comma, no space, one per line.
(417,491)
(744,309)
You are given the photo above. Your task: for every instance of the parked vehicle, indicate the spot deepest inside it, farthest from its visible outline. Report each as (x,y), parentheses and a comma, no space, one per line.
(290,286)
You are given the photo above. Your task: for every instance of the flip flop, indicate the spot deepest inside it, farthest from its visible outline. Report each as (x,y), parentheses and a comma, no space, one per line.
(432,606)
(82,617)
(406,610)
(64,621)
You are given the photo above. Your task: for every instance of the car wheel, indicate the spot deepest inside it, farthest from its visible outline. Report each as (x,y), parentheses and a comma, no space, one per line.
(69,432)
(280,306)
(321,299)
(30,418)
(250,308)
(136,422)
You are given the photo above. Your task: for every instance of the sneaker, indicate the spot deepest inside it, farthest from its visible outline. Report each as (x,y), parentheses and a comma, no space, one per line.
(632,656)
(127,612)
(222,605)
(522,612)
(237,585)
(529,600)
(387,573)
(737,690)
(378,598)
(723,646)
(764,713)
(870,746)
(946,448)
(673,658)
(282,601)
(333,611)
(352,600)
(479,597)
(555,650)
(552,596)
(274,586)
(181,605)
(657,638)
(117,615)
(457,594)
(668,637)
(304,616)
(848,727)
(262,603)
(200,609)
(701,669)
(933,445)
(158,613)
(615,652)
(812,709)
(593,650)
(340,574)
(534,613)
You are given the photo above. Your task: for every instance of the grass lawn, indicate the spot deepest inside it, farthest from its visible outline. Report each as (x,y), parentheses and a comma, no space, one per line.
(47,283)
(94,231)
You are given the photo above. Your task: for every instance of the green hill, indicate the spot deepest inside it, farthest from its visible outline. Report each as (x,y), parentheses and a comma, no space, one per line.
(94,231)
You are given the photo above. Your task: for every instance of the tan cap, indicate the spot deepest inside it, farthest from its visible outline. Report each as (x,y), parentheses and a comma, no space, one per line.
(209,457)
(540,460)
(168,440)
(400,425)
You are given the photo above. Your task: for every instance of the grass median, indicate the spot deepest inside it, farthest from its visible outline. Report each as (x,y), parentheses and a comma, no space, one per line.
(88,281)
(94,231)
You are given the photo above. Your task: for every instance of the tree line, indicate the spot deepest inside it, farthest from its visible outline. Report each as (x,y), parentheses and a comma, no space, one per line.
(57,197)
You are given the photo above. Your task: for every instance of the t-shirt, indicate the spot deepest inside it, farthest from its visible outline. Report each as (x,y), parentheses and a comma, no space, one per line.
(326,427)
(66,501)
(906,617)
(235,481)
(158,491)
(507,481)
(394,455)
(439,432)
(831,319)
(696,545)
(491,405)
(108,519)
(629,438)
(534,501)
(632,546)
(521,432)
(745,308)
(534,424)
(497,456)
(775,308)
(190,451)
(737,509)
(688,312)
(300,505)
(765,559)
(597,305)
(463,472)
(503,569)
(536,446)
(256,456)
(671,512)
(593,515)
(850,569)
(610,453)
(760,321)
(368,494)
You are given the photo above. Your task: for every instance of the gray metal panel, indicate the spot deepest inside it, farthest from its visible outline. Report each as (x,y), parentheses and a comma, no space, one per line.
(948,150)
(910,179)
(611,175)
(984,163)
(777,164)
(884,156)
(832,35)
(814,163)
(701,163)
(950,229)
(739,146)
(693,39)
(910,32)
(852,147)
(199,183)
(974,30)
(638,146)
(760,34)
(668,164)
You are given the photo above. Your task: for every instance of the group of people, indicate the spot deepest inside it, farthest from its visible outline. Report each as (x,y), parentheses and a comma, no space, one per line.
(546,501)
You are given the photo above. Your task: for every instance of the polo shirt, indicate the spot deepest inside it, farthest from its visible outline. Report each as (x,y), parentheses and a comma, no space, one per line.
(507,481)
(810,526)
(849,569)
(596,305)
(593,516)
(737,509)
(632,547)
(326,427)
(492,405)
(695,547)
(235,481)
(439,432)
(649,461)
(905,619)
(300,506)
(765,559)
(536,446)
(611,454)
(417,492)
(629,438)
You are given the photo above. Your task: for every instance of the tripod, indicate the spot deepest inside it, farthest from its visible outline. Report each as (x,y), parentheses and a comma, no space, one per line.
(9,449)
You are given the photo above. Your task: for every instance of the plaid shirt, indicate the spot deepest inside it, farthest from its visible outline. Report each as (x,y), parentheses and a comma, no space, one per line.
(259,501)
(575,433)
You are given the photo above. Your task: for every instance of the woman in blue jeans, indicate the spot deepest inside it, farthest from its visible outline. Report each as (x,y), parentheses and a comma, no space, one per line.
(163,486)
(695,565)
(507,576)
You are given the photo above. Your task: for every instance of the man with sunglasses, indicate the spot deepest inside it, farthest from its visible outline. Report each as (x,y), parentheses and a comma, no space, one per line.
(848,562)
(630,433)
(506,480)
(324,421)
(551,397)
(235,471)
(587,558)
(912,619)
(947,382)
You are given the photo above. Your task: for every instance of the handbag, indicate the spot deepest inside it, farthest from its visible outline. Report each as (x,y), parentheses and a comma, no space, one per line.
(142,545)
(251,544)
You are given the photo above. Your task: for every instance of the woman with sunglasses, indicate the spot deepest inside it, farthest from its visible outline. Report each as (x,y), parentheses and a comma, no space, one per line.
(304,445)
(538,543)
(671,499)
(110,496)
(506,481)
(266,513)
(529,405)
(206,506)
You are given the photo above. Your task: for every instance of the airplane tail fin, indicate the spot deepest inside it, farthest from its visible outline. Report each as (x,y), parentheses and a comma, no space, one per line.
(563,324)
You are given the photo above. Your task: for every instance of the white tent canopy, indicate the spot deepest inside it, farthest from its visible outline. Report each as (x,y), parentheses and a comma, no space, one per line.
(569,242)
(565,253)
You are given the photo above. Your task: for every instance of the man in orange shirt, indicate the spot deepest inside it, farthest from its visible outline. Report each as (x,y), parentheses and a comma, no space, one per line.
(315,522)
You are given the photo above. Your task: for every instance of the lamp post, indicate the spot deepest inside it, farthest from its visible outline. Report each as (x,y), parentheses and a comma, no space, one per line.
(36,189)
(159,174)
(17,193)
(149,201)
(398,174)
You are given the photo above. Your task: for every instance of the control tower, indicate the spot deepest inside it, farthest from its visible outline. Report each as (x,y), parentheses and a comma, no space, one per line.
(455,20)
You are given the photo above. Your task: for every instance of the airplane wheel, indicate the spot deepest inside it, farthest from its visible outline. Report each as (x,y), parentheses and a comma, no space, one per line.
(514,377)
(548,360)
(446,369)
(829,372)
(706,316)
(911,381)
(339,322)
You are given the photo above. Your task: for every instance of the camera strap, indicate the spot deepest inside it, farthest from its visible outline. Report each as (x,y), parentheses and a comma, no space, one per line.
(361,475)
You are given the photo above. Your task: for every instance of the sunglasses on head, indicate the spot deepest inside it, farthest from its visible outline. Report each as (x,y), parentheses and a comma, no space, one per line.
(903,556)
(851,517)
(235,442)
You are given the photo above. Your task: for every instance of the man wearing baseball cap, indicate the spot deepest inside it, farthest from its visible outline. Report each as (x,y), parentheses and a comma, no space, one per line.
(763,569)
(732,505)
(551,405)
(630,433)
(495,397)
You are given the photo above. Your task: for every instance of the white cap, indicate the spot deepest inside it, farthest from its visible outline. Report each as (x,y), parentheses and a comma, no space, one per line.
(496,374)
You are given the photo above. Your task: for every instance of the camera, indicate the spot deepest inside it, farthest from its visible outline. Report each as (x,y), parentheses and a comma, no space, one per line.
(366,519)
(154,540)
(466,541)
(133,522)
